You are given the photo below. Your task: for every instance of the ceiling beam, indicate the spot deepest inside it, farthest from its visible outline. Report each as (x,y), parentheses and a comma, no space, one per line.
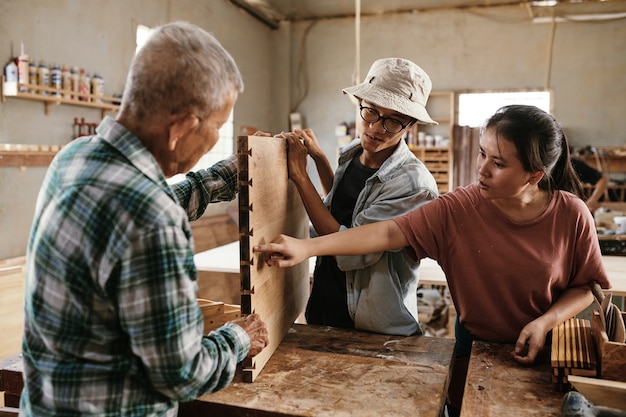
(257,13)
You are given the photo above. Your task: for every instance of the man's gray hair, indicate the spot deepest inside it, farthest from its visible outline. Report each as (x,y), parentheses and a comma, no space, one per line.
(181,69)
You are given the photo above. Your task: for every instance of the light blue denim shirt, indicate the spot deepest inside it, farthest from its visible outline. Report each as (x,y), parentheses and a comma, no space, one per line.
(382,287)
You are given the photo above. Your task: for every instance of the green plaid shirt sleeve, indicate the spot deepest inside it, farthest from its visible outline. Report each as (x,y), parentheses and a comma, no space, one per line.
(199,188)
(112,323)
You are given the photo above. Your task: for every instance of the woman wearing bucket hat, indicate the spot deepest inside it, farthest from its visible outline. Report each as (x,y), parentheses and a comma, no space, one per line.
(377,178)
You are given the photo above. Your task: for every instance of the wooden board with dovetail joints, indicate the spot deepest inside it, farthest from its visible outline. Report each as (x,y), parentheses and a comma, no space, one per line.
(269,204)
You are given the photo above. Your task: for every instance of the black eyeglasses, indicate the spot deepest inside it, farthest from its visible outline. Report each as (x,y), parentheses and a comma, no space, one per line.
(390,124)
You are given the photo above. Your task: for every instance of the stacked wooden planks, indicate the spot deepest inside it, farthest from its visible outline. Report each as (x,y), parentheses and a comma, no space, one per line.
(573,352)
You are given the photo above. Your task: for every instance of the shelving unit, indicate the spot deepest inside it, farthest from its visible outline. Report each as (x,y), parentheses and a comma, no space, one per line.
(13,155)
(438,159)
(55,97)
(17,155)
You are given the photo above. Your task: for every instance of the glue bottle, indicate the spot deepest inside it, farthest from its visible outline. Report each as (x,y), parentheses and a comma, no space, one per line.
(22,68)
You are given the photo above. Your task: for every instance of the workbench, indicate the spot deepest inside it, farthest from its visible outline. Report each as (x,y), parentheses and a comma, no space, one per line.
(498,386)
(320,370)
(324,371)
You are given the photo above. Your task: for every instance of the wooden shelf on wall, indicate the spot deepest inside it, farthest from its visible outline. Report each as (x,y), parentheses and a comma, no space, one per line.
(22,156)
(438,157)
(54,97)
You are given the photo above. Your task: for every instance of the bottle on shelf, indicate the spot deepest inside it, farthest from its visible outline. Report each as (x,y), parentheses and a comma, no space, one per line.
(66,82)
(10,75)
(22,68)
(10,72)
(32,76)
(43,76)
(55,79)
(84,85)
(75,74)
(97,87)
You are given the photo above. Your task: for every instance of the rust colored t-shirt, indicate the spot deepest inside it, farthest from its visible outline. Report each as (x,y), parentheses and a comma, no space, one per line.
(502,274)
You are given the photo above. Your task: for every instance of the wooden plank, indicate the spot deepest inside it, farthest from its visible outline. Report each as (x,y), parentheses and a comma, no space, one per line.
(600,391)
(269,205)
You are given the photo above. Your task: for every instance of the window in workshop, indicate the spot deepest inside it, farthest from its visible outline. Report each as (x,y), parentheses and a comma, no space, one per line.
(476,107)
(225,145)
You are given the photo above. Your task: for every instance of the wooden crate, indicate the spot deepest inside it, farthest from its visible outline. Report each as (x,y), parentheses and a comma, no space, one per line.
(611,355)
(217,313)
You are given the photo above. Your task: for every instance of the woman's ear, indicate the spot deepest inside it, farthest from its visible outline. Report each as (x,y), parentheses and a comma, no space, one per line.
(179,128)
(536,177)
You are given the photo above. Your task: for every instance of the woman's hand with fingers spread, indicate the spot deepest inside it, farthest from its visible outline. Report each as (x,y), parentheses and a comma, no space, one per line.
(284,251)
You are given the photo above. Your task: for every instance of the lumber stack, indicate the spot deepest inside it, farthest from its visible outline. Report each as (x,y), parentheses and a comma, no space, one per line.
(573,352)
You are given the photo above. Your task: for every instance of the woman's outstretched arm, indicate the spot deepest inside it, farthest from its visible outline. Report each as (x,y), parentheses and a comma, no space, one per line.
(286,251)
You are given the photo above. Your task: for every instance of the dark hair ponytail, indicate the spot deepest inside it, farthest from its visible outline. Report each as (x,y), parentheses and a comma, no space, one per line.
(541,145)
(563,174)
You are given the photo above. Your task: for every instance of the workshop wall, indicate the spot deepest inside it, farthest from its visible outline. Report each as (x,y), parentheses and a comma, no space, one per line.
(100,36)
(498,48)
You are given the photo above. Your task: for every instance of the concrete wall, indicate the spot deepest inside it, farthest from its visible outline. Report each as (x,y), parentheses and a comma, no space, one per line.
(303,67)
(461,50)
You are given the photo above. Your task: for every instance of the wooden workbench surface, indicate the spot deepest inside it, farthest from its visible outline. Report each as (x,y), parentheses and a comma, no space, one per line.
(498,386)
(323,371)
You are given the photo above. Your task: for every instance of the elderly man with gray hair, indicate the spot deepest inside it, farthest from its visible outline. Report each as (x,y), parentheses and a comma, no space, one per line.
(112,322)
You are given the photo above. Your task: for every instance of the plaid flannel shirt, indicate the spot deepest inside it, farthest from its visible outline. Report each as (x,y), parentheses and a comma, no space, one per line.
(112,324)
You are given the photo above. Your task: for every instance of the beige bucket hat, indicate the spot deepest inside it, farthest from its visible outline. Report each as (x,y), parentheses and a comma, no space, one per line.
(396,84)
